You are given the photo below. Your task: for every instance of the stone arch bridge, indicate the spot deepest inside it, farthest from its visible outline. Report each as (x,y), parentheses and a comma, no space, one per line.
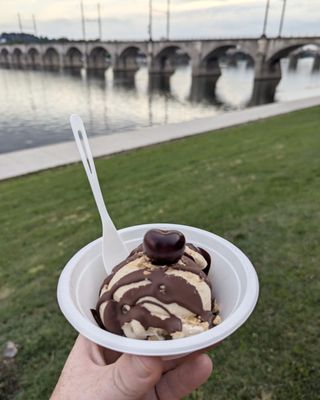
(126,57)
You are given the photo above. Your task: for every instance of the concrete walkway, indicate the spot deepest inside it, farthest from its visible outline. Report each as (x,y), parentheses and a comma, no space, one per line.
(32,160)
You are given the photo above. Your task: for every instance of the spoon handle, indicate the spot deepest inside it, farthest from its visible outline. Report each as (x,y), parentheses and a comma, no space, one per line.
(110,233)
(82,142)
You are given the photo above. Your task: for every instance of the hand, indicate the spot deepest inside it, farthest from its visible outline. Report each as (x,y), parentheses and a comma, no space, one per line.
(94,373)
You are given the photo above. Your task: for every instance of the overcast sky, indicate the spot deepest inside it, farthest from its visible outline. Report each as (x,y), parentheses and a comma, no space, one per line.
(128,19)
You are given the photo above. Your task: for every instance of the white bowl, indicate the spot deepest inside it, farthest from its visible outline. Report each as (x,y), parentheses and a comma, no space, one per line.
(234,279)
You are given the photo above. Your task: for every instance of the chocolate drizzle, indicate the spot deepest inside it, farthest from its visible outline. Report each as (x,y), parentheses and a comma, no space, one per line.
(160,285)
(202,252)
(177,290)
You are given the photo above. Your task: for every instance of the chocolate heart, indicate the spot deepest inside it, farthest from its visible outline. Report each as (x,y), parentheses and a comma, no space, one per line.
(163,247)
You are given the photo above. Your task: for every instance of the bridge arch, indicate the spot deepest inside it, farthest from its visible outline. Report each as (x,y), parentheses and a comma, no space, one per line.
(268,72)
(316,63)
(274,59)
(218,51)
(33,57)
(209,64)
(164,60)
(99,58)
(51,58)
(130,59)
(285,51)
(235,55)
(312,51)
(4,57)
(17,58)
(73,58)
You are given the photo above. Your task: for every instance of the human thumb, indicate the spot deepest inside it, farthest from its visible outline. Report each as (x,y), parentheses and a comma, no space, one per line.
(133,377)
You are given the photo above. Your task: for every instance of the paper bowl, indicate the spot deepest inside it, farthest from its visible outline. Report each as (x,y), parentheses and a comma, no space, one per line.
(234,279)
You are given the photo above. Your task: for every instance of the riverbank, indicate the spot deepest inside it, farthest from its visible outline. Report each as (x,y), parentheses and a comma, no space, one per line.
(32,160)
(257,185)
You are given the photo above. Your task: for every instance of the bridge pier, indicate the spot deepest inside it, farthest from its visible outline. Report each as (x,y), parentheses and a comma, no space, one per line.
(73,60)
(263,92)
(34,59)
(124,78)
(316,63)
(5,58)
(52,60)
(125,64)
(18,59)
(203,88)
(293,62)
(266,79)
(210,68)
(205,74)
(161,67)
(97,65)
(160,63)
(4,64)
(98,60)
(213,74)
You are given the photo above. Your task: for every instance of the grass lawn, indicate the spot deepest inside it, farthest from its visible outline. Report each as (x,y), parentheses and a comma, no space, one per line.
(257,185)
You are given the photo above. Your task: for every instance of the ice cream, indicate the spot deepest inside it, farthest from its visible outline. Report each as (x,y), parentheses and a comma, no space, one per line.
(161,291)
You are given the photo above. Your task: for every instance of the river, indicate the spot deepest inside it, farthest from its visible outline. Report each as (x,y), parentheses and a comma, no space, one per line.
(35,105)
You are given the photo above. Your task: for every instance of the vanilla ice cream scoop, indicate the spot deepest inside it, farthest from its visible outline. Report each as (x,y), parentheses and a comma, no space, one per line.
(161,291)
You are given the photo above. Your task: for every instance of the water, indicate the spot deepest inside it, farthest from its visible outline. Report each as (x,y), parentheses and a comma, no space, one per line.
(35,105)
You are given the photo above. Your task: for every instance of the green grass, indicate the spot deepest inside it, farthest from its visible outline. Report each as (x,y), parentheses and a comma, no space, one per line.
(257,185)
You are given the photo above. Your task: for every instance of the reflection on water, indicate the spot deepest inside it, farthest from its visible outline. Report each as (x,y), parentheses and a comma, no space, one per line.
(35,105)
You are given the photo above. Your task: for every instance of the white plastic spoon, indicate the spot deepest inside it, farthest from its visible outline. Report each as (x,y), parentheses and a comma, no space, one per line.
(113,249)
